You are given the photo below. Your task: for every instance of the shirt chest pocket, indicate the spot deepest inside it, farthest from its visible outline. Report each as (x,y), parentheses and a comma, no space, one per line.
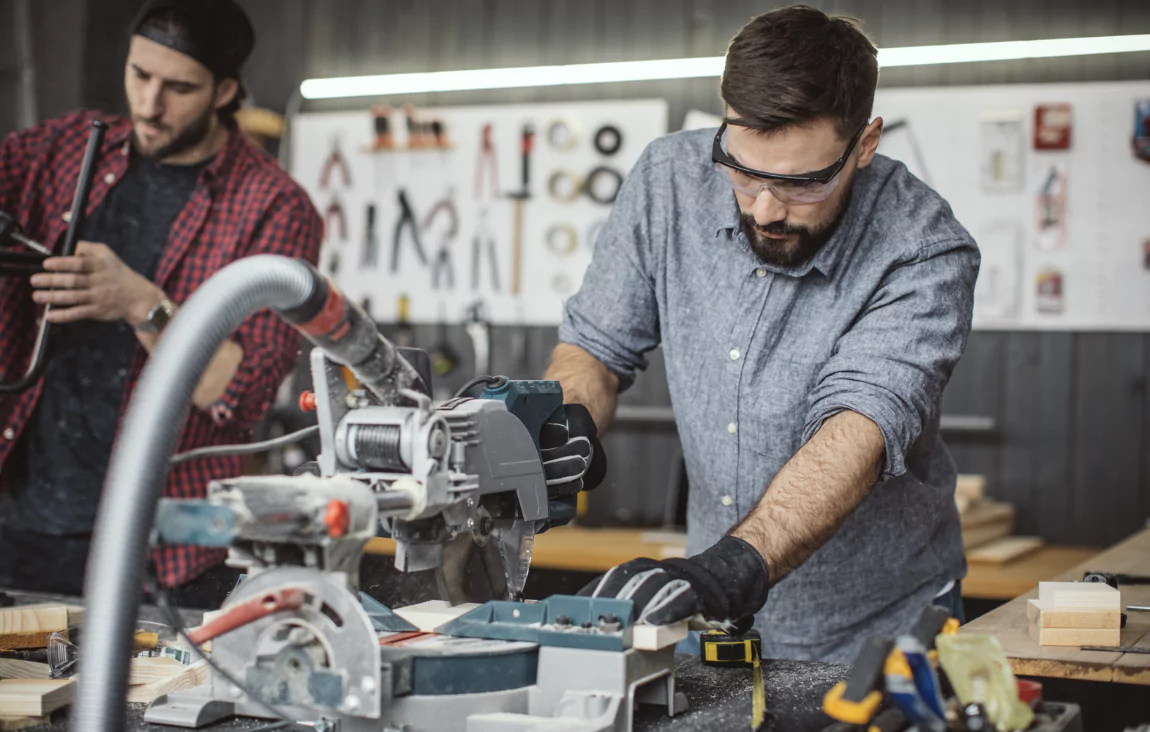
(775,405)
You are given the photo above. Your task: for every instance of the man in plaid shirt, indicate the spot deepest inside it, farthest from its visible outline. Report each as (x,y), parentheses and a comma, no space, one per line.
(178,194)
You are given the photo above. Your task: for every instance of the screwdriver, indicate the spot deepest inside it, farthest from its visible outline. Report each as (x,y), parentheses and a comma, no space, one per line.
(10,230)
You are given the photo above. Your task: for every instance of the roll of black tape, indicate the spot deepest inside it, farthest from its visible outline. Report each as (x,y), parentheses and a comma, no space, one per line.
(608,140)
(603,184)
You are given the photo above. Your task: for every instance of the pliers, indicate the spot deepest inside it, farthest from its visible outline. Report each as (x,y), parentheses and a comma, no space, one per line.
(406,220)
(483,244)
(442,264)
(335,159)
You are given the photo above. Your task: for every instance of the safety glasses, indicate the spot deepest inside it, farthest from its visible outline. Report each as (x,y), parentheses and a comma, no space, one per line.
(794,189)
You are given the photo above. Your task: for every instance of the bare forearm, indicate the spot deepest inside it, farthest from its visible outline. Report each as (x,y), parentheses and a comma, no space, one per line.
(216,377)
(587,381)
(811,497)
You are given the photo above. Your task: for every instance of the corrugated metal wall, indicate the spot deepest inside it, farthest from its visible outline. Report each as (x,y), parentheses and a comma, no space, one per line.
(1073,444)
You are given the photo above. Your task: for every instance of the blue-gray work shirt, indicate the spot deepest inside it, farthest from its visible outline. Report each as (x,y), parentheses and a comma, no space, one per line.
(757,356)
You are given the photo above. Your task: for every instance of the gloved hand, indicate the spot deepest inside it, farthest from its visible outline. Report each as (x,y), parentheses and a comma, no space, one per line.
(573,460)
(725,584)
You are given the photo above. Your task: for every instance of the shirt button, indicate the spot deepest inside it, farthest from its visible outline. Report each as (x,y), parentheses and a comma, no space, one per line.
(726,500)
(735,354)
(110,178)
(732,428)
(760,273)
(9,434)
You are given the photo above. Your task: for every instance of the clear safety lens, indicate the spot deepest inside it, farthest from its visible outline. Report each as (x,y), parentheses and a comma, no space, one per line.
(792,192)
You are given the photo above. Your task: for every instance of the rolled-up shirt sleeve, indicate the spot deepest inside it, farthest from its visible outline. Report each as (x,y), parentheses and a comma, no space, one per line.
(895,361)
(614,316)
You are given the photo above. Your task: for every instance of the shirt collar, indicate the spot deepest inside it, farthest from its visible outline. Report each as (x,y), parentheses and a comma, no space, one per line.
(119,137)
(826,261)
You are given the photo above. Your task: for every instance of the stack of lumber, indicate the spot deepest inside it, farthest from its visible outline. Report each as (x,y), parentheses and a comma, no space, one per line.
(1075,614)
(988,525)
(28,702)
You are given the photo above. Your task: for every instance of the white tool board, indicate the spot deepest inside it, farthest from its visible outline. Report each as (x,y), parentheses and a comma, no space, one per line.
(549,272)
(1064,233)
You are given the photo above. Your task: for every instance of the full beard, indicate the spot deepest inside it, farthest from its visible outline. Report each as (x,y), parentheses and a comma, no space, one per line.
(184,139)
(789,252)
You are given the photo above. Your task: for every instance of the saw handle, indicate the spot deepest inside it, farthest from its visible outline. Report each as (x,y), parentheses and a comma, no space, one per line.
(246,612)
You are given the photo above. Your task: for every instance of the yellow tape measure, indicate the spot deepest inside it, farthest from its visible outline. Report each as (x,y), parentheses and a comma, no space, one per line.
(738,651)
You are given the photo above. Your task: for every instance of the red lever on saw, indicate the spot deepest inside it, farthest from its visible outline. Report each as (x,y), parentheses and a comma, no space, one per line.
(247,612)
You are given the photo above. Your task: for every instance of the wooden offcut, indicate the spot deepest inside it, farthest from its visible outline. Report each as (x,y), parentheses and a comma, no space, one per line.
(28,626)
(1108,637)
(187,677)
(149,670)
(1072,618)
(11,724)
(14,668)
(34,697)
(427,616)
(1006,549)
(986,521)
(656,637)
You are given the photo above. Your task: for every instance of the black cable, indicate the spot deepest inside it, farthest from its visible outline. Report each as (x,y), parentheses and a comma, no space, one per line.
(165,603)
(250,448)
(589,186)
(485,380)
(608,140)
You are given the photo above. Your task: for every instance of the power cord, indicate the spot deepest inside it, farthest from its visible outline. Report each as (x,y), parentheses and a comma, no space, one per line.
(250,448)
(164,600)
(484,380)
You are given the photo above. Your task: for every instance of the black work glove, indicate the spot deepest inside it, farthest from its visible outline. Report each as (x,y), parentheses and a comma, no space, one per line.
(726,584)
(573,460)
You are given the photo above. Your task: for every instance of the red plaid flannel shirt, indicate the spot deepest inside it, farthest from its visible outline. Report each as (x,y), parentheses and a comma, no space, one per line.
(243,204)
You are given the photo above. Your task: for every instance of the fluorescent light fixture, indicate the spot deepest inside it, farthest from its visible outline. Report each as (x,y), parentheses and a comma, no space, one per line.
(691,68)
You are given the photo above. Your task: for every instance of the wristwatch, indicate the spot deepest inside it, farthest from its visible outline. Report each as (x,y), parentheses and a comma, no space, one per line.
(158,317)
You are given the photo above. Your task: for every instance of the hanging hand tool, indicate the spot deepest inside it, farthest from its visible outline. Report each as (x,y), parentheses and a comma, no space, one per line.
(67,249)
(486,164)
(381,126)
(444,357)
(483,246)
(441,266)
(370,257)
(526,142)
(334,214)
(479,330)
(406,221)
(335,160)
(404,333)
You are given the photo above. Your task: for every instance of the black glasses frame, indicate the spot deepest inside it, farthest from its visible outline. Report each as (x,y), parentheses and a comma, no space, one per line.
(720,156)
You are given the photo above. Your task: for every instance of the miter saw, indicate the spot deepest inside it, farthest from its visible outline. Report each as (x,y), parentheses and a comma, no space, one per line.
(460,486)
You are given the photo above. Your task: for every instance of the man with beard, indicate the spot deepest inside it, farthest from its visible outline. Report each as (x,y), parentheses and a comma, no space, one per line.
(811,298)
(178,194)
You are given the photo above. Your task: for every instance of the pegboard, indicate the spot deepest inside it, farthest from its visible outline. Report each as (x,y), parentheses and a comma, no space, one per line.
(462,203)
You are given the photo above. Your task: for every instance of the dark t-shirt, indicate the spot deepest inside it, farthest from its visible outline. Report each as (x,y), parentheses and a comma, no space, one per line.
(68,442)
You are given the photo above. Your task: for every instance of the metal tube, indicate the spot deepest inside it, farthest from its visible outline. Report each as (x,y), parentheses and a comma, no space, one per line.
(393,502)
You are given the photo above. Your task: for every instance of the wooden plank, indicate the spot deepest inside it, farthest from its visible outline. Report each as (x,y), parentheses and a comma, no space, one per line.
(1073,618)
(150,670)
(14,668)
(29,626)
(1007,581)
(1079,595)
(987,512)
(34,697)
(194,675)
(1010,625)
(10,724)
(1073,636)
(427,616)
(1007,549)
(971,487)
(655,637)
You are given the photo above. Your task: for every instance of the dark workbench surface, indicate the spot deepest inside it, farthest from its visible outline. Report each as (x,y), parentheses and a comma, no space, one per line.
(720,700)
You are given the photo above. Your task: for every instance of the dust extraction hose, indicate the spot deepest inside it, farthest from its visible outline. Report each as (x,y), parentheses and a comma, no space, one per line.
(155,418)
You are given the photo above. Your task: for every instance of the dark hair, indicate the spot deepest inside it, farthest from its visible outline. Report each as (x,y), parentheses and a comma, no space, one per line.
(170,22)
(796,64)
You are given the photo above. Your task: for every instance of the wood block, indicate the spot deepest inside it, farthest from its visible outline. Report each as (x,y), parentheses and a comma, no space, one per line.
(28,626)
(148,670)
(14,668)
(194,675)
(427,616)
(1006,549)
(1072,618)
(34,697)
(1078,595)
(980,535)
(655,637)
(988,512)
(970,487)
(1074,636)
(10,724)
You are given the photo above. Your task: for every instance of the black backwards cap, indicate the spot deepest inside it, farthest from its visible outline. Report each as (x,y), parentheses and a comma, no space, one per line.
(219,36)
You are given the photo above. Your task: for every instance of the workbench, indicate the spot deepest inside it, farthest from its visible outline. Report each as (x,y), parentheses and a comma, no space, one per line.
(719,699)
(581,549)
(1009,624)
